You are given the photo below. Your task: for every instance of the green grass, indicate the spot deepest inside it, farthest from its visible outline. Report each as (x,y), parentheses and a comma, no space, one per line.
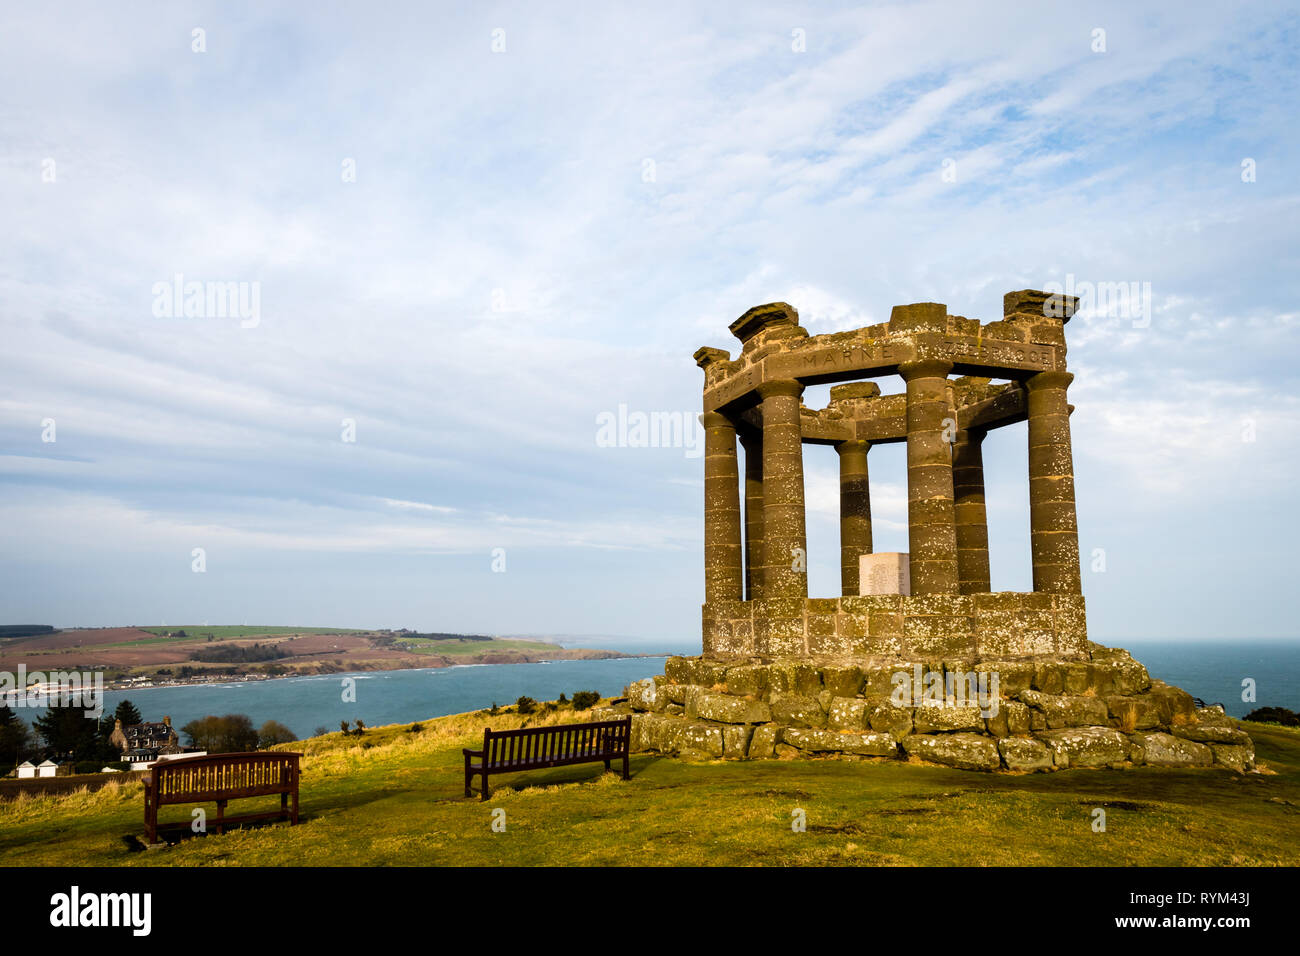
(395,798)
(458,647)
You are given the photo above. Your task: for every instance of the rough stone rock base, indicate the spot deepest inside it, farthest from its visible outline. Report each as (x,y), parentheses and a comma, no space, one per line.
(1044,714)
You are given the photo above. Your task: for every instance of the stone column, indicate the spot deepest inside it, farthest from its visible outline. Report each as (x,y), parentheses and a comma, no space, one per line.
(753,443)
(968,507)
(931,521)
(722,573)
(1053,524)
(785,541)
(855,512)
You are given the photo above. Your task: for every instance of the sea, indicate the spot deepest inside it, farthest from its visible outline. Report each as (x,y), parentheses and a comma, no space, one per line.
(1212,670)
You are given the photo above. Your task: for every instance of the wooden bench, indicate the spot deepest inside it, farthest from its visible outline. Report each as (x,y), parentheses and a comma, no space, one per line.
(532,748)
(219,778)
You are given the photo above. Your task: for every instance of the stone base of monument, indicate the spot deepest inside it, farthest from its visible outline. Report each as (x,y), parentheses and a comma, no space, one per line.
(1010,715)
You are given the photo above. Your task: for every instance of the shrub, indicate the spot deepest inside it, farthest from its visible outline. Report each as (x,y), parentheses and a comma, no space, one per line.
(233,733)
(495,709)
(563,700)
(273,732)
(320,731)
(414,728)
(1274,715)
(585,699)
(345,727)
(526,705)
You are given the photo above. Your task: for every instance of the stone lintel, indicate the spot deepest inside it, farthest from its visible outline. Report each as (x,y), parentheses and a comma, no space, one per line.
(854,390)
(1005,408)
(814,362)
(883,419)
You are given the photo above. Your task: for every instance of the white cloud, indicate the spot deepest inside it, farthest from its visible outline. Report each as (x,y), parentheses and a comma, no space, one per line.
(516,180)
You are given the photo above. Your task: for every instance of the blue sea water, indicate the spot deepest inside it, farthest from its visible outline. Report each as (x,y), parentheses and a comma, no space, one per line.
(1214,670)
(385,697)
(1211,670)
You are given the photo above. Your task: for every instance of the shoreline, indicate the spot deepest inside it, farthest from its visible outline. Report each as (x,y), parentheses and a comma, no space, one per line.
(232,679)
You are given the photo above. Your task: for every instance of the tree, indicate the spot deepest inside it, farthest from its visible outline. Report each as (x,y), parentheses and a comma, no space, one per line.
(273,732)
(127,713)
(15,739)
(67,731)
(233,733)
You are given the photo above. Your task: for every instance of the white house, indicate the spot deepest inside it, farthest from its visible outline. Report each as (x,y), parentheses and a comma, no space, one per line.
(26,769)
(47,768)
(146,764)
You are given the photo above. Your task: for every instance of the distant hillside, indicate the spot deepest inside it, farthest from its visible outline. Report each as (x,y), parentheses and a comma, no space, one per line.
(200,651)
(24,630)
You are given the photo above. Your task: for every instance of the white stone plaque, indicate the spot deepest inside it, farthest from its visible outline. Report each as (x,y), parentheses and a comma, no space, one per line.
(885,572)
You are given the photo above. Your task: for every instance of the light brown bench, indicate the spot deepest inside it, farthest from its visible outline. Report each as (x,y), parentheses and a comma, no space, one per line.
(219,778)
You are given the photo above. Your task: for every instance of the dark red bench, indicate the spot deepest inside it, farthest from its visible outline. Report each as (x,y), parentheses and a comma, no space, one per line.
(219,778)
(533,748)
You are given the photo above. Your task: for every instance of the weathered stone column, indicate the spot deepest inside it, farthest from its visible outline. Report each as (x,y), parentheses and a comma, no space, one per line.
(785,542)
(969,510)
(1053,524)
(855,512)
(753,443)
(722,571)
(931,521)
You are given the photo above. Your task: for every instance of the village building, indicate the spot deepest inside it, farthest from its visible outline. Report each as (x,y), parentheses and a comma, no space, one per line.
(145,742)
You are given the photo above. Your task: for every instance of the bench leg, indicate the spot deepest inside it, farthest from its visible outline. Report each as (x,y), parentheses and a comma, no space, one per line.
(468,778)
(293,814)
(626,775)
(606,764)
(485,786)
(284,806)
(221,817)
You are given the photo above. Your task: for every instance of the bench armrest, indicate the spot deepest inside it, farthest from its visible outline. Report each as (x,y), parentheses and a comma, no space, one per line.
(471,753)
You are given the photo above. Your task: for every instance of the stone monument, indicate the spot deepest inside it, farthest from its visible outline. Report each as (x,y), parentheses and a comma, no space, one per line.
(917,658)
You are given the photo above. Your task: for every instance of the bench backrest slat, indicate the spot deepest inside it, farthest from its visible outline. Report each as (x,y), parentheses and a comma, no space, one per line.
(175,780)
(527,746)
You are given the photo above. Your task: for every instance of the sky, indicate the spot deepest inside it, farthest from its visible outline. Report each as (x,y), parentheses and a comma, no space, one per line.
(464,233)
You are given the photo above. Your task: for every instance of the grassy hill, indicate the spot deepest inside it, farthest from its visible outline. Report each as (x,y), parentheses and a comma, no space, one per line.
(394,797)
(464,646)
(193,651)
(223,631)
